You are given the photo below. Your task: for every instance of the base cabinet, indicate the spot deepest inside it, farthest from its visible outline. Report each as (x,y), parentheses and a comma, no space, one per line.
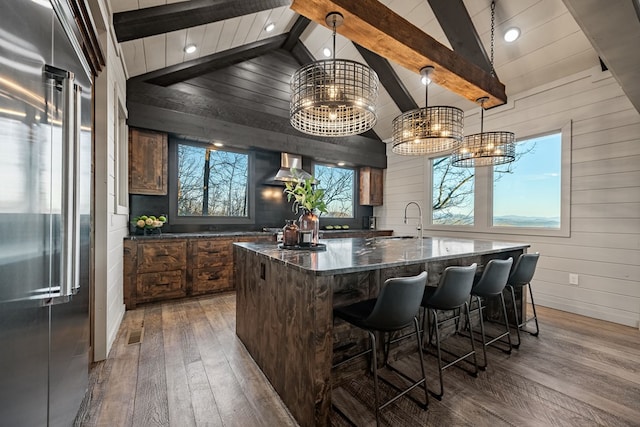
(161,269)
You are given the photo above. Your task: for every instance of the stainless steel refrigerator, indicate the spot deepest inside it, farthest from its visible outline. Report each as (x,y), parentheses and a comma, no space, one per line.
(45,214)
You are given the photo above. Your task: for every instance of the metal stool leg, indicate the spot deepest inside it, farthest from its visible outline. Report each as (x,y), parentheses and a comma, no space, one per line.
(506,322)
(420,355)
(374,364)
(473,346)
(435,321)
(484,339)
(515,315)
(535,316)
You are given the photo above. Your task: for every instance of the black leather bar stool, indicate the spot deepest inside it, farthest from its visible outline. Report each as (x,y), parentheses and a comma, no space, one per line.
(395,308)
(451,294)
(490,285)
(520,276)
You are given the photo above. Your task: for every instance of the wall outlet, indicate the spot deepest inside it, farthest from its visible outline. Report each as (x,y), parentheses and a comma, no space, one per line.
(573,279)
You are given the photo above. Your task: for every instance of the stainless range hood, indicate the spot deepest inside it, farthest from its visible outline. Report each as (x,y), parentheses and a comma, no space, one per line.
(288,163)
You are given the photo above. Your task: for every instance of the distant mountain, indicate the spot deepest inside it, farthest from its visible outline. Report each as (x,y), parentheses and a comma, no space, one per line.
(505,221)
(526,221)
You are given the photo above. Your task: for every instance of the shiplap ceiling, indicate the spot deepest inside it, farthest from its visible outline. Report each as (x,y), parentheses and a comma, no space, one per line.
(551,46)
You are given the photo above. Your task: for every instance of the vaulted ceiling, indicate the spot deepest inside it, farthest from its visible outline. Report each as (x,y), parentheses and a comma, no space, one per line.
(153,34)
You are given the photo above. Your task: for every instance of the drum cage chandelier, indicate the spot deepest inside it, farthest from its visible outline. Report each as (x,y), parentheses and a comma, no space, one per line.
(334,97)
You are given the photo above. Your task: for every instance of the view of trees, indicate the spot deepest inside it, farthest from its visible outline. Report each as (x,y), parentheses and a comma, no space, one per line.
(212,182)
(453,187)
(452,201)
(338,185)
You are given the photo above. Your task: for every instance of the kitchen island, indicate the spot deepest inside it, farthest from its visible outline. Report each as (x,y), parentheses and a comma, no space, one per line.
(285,300)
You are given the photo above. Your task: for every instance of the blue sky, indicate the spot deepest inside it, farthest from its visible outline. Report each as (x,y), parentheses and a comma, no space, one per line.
(533,189)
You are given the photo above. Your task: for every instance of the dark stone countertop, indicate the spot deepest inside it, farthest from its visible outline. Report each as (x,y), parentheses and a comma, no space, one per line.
(358,254)
(210,234)
(200,235)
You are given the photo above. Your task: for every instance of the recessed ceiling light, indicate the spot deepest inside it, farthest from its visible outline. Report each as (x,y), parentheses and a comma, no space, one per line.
(218,144)
(326,52)
(190,48)
(512,34)
(341,163)
(269,27)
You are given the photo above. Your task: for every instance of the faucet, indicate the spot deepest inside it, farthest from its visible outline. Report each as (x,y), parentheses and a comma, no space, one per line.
(419,218)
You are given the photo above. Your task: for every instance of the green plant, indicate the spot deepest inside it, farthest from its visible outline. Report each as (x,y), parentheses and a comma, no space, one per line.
(305,195)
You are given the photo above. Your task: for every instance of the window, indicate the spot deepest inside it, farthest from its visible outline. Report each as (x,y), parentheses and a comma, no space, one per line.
(121,156)
(529,194)
(338,184)
(452,193)
(212,182)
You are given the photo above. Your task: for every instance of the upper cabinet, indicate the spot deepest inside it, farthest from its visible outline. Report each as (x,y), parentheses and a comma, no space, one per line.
(148,160)
(370,186)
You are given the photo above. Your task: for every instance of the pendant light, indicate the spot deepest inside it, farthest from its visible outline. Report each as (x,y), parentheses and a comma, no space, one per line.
(486,148)
(334,97)
(427,130)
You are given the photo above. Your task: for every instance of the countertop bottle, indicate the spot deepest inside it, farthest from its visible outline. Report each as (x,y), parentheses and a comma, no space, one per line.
(290,233)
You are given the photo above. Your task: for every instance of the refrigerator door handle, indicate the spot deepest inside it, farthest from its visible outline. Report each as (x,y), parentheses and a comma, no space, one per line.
(77,116)
(68,233)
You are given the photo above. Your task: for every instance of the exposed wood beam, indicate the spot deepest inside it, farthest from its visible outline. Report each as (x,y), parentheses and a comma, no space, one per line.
(150,21)
(196,67)
(460,31)
(299,26)
(376,27)
(302,54)
(615,35)
(389,79)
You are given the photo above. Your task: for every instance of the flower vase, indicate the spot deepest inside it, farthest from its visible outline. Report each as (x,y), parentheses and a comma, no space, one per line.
(308,222)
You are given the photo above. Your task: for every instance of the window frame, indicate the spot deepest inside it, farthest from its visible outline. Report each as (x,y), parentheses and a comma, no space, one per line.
(208,220)
(483,197)
(121,156)
(353,189)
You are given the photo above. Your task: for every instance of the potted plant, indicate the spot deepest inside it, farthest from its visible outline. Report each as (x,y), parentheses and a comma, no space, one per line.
(310,200)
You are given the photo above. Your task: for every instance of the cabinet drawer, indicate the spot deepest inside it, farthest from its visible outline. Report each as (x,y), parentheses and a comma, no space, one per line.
(162,256)
(211,253)
(160,285)
(211,279)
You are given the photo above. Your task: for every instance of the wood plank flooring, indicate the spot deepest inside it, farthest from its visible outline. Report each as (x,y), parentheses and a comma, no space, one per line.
(191,370)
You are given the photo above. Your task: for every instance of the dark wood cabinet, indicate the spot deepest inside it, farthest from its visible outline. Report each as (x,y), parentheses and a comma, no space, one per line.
(148,161)
(160,269)
(212,265)
(371,186)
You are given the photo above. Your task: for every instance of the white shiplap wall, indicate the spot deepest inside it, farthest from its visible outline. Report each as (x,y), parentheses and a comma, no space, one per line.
(110,227)
(604,245)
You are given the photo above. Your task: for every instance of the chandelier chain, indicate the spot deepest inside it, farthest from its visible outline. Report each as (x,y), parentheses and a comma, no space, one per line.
(493,20)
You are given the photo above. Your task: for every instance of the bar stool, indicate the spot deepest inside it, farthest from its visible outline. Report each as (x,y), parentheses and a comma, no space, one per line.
(522,275)
(490,285)
(395,308)
(451,294)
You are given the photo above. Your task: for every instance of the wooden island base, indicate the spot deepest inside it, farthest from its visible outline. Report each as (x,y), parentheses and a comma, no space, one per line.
(285,300)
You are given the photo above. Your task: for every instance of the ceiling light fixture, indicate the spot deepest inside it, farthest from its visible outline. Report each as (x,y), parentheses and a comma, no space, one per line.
(326,52)
(190,48)
(427,130)
(270,27)
(486,148)
(334,97)
(512,34)
(218,144)
(341,163)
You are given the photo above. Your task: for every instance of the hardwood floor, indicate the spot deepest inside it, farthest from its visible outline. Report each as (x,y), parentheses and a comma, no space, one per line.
(190,369)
